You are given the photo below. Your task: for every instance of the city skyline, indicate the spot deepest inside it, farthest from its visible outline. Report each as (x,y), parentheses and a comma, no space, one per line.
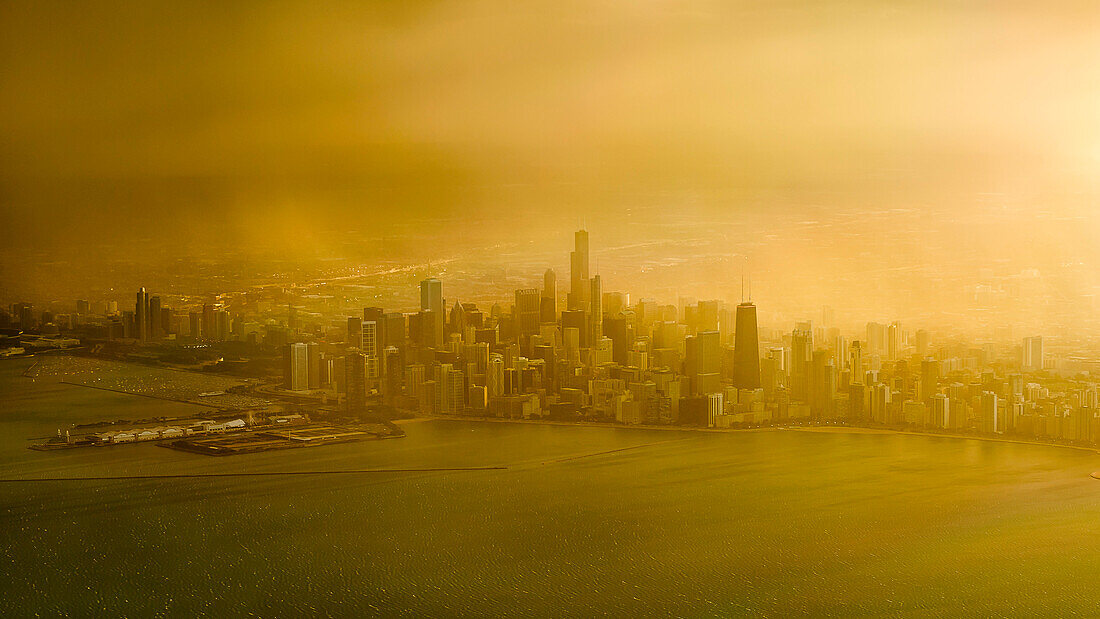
(599,308)
(466,360)
(701,262)
(430,298)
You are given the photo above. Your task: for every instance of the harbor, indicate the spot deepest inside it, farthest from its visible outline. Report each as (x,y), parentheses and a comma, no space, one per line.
(231,436)
(229,419)
(306,435)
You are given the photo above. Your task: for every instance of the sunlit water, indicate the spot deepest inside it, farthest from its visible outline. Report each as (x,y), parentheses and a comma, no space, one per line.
(688,523)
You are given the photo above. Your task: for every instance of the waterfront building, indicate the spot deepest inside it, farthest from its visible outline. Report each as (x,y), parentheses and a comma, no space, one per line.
(355,377)
(451,390)
(702,362)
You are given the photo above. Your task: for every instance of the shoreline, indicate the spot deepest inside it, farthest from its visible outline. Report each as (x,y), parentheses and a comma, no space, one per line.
(601,424)
(994,439)
(817,429)
(580,424)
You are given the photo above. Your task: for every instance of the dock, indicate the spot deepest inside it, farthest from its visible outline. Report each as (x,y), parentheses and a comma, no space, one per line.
(293,437)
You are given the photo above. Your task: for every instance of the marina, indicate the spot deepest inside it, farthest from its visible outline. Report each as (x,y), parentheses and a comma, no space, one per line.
(308,435)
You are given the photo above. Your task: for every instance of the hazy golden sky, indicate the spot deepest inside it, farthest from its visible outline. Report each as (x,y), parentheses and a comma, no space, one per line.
(160,118)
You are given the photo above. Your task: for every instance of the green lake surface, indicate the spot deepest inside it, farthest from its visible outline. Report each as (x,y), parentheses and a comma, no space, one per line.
(773,523)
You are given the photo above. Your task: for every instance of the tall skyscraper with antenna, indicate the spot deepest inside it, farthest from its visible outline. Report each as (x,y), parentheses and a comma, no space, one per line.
(746,344)
(578,271)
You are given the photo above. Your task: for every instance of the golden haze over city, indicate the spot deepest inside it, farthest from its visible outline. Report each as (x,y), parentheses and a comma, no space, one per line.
(540,308)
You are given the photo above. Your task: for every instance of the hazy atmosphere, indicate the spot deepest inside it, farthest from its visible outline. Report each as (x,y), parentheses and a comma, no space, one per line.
(817,139)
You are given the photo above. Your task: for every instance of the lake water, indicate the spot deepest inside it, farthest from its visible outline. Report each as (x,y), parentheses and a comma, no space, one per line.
(768,523)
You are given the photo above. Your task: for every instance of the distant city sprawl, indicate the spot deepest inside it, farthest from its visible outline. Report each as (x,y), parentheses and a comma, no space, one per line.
(576,353)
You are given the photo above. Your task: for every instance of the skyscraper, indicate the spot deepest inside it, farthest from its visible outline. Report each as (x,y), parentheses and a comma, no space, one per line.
(456,323)
(355,332)
(941,411)
(355,375)
(855,361)
(548,310)
(616,328)
(746,349)
(929,380)
(893,341)
(527,308)
(313,365)
(821,384)
(391,364)
(707,315)
(578,271)
(494,376)
(924,342)
(702,362)
(571,341)
(431,300)
(989,413)
(576,319)
(880,402)
(209,323)
(370,348)
(415,376)
(857,401)
(452,398)
(296,367)
(715,407)
(369,338)
(393,332)
(876,338)
(194,323)
(802,353)
(221,324)
(141,315)
(24,313)
(378,315)
(154,318)
(595,312)
(1033,354)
